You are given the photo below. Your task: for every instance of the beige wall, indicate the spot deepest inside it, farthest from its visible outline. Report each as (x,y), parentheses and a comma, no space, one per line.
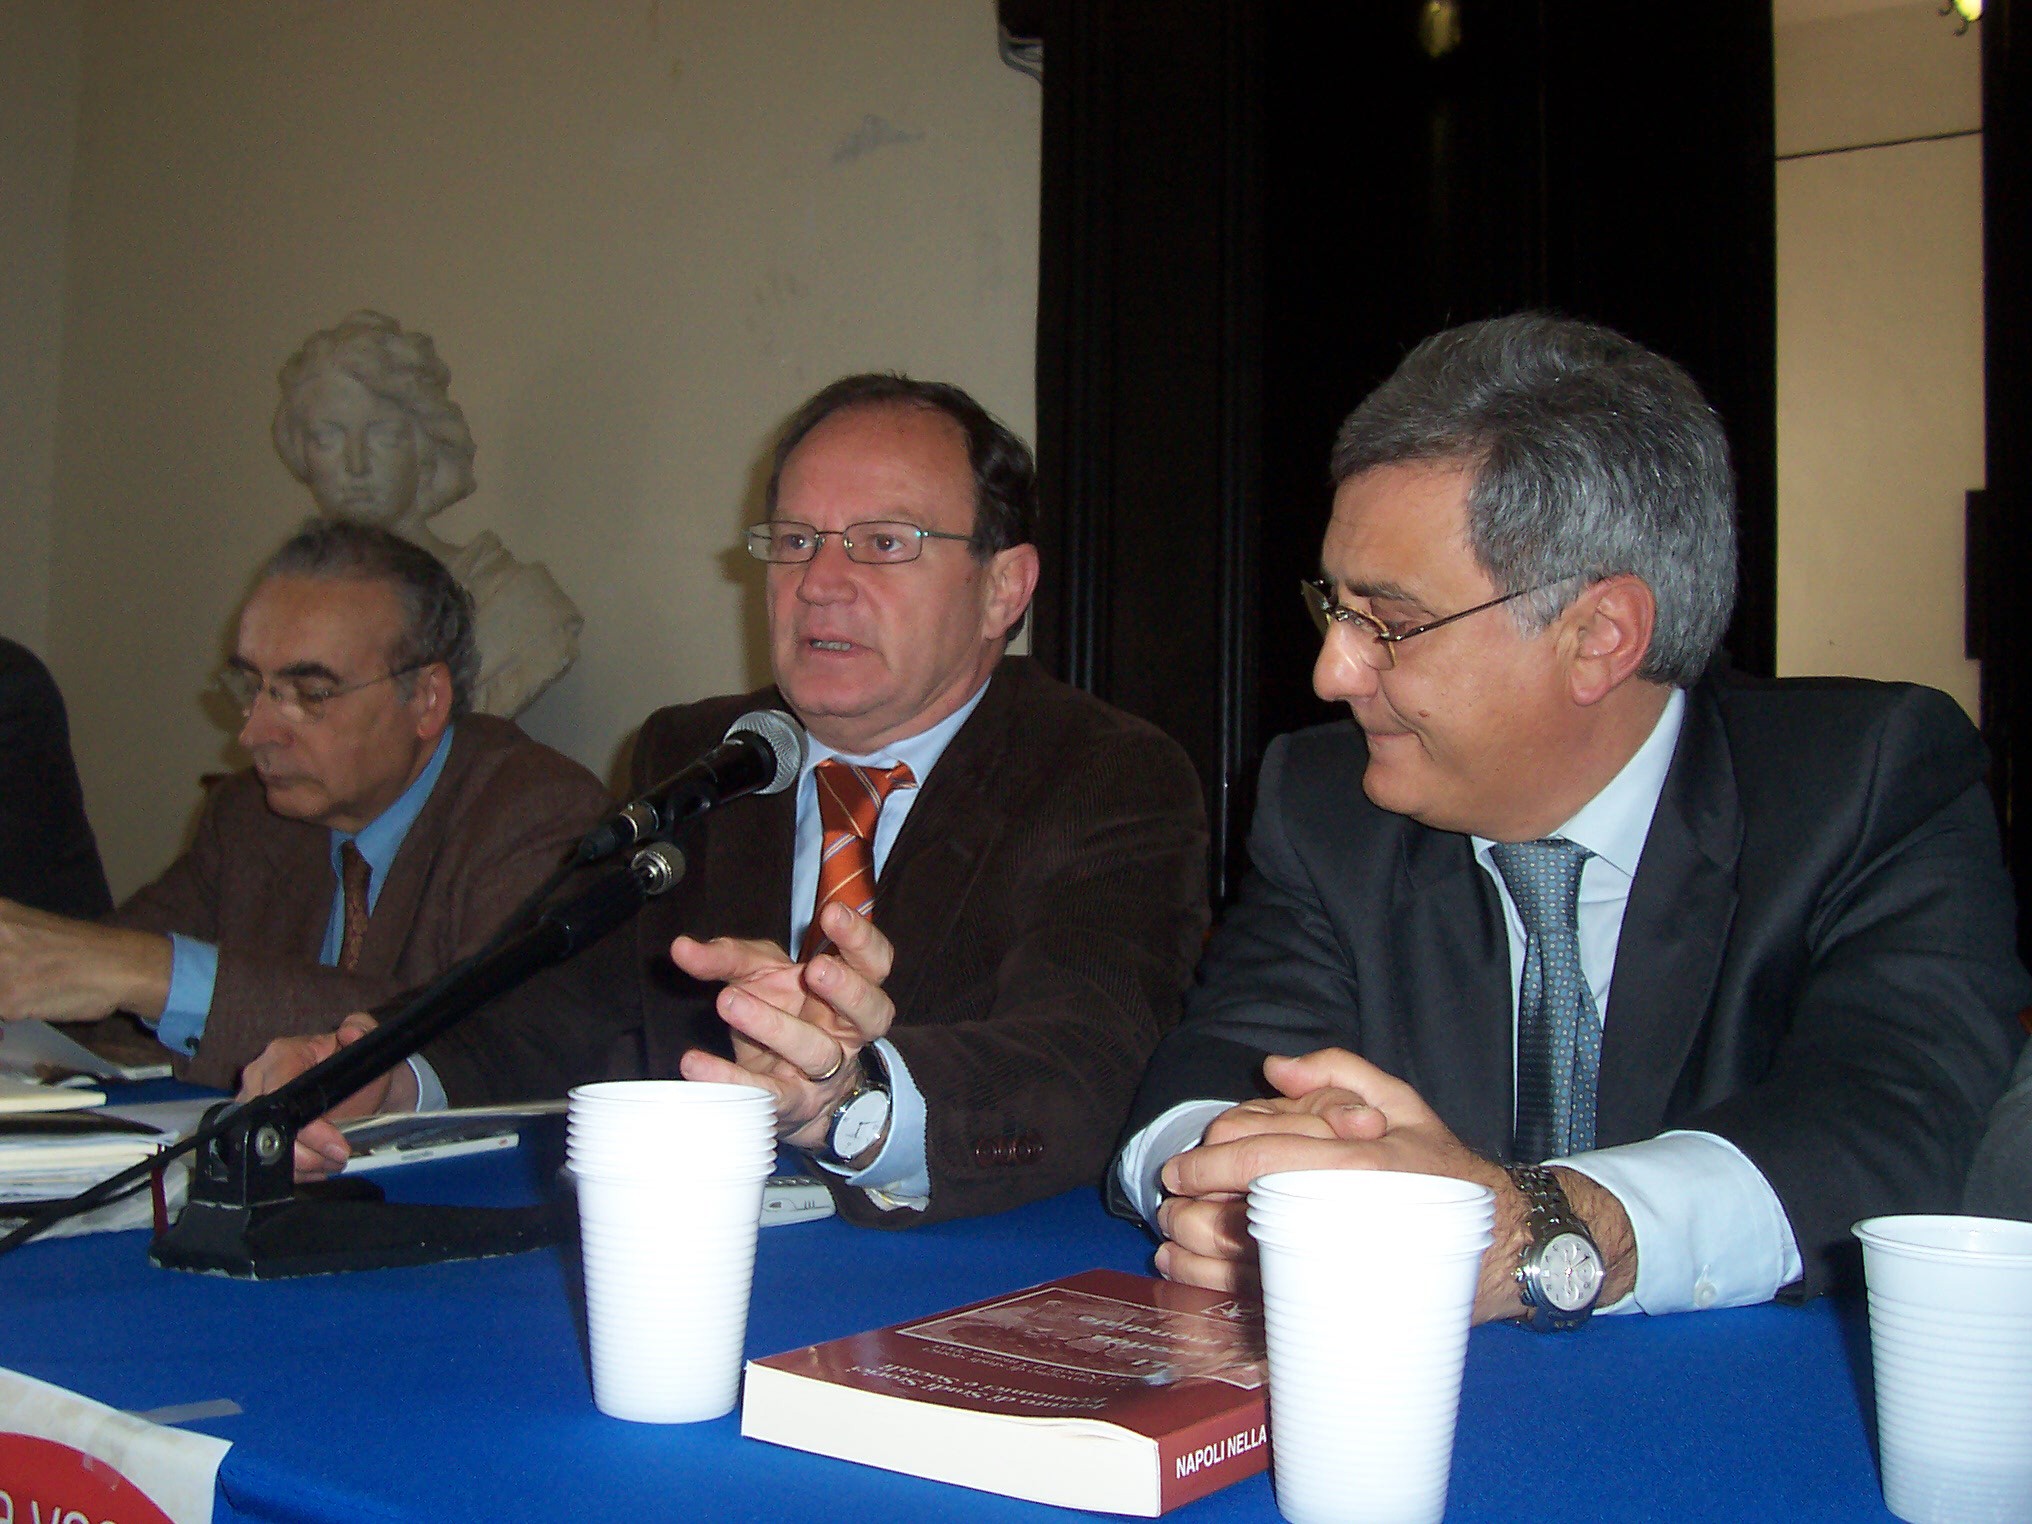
(39,84)
(1880,402)
(640,233)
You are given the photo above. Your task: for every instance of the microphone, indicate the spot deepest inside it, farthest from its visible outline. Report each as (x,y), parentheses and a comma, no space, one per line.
(762,754)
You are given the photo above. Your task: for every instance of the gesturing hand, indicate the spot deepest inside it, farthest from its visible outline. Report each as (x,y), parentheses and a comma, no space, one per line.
(798,1027)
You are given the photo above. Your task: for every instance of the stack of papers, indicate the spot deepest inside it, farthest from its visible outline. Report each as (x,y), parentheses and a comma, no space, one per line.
(50,1156)
(18,1096)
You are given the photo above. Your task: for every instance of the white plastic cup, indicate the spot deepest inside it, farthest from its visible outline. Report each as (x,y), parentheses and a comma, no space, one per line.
(669,1177)
(1951,1346)
(1369,1282)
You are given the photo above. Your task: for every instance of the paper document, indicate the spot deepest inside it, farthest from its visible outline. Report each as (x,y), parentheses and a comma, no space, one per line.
(23,1095)
(36,1049)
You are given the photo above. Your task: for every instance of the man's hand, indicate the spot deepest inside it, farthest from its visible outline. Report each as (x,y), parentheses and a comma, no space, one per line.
(798,1027)
(65,970)
(321,1149)
(1338,1111)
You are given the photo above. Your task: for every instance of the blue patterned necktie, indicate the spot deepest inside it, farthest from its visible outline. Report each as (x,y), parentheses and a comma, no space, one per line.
(1559,1032)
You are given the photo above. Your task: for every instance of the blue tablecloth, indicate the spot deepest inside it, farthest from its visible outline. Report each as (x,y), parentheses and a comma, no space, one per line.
(460,1391)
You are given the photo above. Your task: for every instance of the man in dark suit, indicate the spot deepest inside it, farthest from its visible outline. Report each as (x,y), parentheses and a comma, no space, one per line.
(1749,943)
(48,857)
(966,1034)
(382,833)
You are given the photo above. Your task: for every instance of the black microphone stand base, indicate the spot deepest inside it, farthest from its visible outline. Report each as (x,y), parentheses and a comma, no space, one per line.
(346,1225)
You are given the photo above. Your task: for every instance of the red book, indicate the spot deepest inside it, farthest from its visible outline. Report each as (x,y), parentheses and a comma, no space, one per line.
(1105,1391)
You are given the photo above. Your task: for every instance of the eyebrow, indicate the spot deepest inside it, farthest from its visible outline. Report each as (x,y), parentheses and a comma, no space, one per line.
(1390,592)
(296,669)
(316,669)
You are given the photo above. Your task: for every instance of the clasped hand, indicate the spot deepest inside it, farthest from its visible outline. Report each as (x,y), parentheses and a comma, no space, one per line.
(1333,1110)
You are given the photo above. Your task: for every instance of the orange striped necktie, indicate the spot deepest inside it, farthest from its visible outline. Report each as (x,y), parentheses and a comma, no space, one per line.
(355,875)
(849,803)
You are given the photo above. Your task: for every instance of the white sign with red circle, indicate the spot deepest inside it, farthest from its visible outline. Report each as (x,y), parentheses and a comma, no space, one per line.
(65,1459)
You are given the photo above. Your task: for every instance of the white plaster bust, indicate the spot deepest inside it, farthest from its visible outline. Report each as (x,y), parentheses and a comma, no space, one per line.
(366,421)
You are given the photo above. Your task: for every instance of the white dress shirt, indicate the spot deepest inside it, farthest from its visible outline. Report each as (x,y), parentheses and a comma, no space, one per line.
(1709,1229)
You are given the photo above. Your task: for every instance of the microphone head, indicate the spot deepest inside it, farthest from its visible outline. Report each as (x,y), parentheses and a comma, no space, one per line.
(782,735)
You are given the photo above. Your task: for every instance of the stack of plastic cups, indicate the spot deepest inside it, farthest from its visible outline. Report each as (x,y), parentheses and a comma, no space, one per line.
(1369,1285)
(1951,1341)
(669,1177)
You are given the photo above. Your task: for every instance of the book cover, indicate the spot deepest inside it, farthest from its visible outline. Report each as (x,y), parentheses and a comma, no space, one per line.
(1108,1391)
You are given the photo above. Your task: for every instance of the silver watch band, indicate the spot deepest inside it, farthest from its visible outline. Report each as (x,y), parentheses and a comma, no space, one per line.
(1557,1233)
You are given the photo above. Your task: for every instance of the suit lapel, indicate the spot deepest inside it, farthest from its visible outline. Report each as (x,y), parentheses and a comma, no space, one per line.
(950,826)
(397,907)
(744,869)
(302,859)
(1675,929)
(1452,1005)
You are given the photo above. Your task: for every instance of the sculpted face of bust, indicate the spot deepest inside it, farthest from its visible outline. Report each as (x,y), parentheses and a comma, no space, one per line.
(360,450)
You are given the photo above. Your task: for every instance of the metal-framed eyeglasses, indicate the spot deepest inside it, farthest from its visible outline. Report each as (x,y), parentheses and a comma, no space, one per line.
(1379,642)
(300,699)
(874,542)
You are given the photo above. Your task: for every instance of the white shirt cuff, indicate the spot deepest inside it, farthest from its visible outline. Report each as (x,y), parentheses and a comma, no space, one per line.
(1143,1156)
(1709,1229)
(430,1092)
(898,1175)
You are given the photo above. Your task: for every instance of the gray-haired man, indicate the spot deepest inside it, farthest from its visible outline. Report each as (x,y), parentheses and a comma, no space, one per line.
(1734,960)
(380,835)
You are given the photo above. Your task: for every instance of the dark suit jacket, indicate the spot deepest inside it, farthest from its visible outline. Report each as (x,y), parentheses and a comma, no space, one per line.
(1816,962)
(1046,900)
(2000,1180)
(500,818)
(48,858)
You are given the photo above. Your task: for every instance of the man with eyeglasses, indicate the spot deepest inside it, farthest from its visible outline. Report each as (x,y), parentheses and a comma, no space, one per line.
(949,950)
(381,834)
(1692,972)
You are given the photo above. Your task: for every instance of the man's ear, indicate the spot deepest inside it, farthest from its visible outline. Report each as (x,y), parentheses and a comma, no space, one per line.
(431,701)
(1012,579)
(1611,625)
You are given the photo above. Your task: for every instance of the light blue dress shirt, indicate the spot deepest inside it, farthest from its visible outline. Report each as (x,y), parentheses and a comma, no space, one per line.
(194,964)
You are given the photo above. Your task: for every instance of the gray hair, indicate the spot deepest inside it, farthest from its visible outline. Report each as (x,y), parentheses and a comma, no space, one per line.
(1590,456)
(437,612)
(400,368)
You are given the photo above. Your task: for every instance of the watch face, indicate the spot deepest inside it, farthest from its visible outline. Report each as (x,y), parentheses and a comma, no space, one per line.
(860,1124)
(1569,1273)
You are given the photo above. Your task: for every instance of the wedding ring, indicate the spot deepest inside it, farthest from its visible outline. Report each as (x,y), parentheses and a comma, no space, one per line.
(838,1064)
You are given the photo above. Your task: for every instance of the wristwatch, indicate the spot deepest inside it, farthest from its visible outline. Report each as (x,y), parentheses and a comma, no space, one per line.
(860,1123)
(1560,1273)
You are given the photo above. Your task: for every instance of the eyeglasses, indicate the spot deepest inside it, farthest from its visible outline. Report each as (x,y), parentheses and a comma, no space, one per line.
(301,700)
(878,542)
(1379,648)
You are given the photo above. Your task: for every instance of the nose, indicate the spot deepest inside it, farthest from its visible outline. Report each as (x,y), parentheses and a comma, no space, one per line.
(264,725)
(827,577)
(356,452)
(1341,674)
